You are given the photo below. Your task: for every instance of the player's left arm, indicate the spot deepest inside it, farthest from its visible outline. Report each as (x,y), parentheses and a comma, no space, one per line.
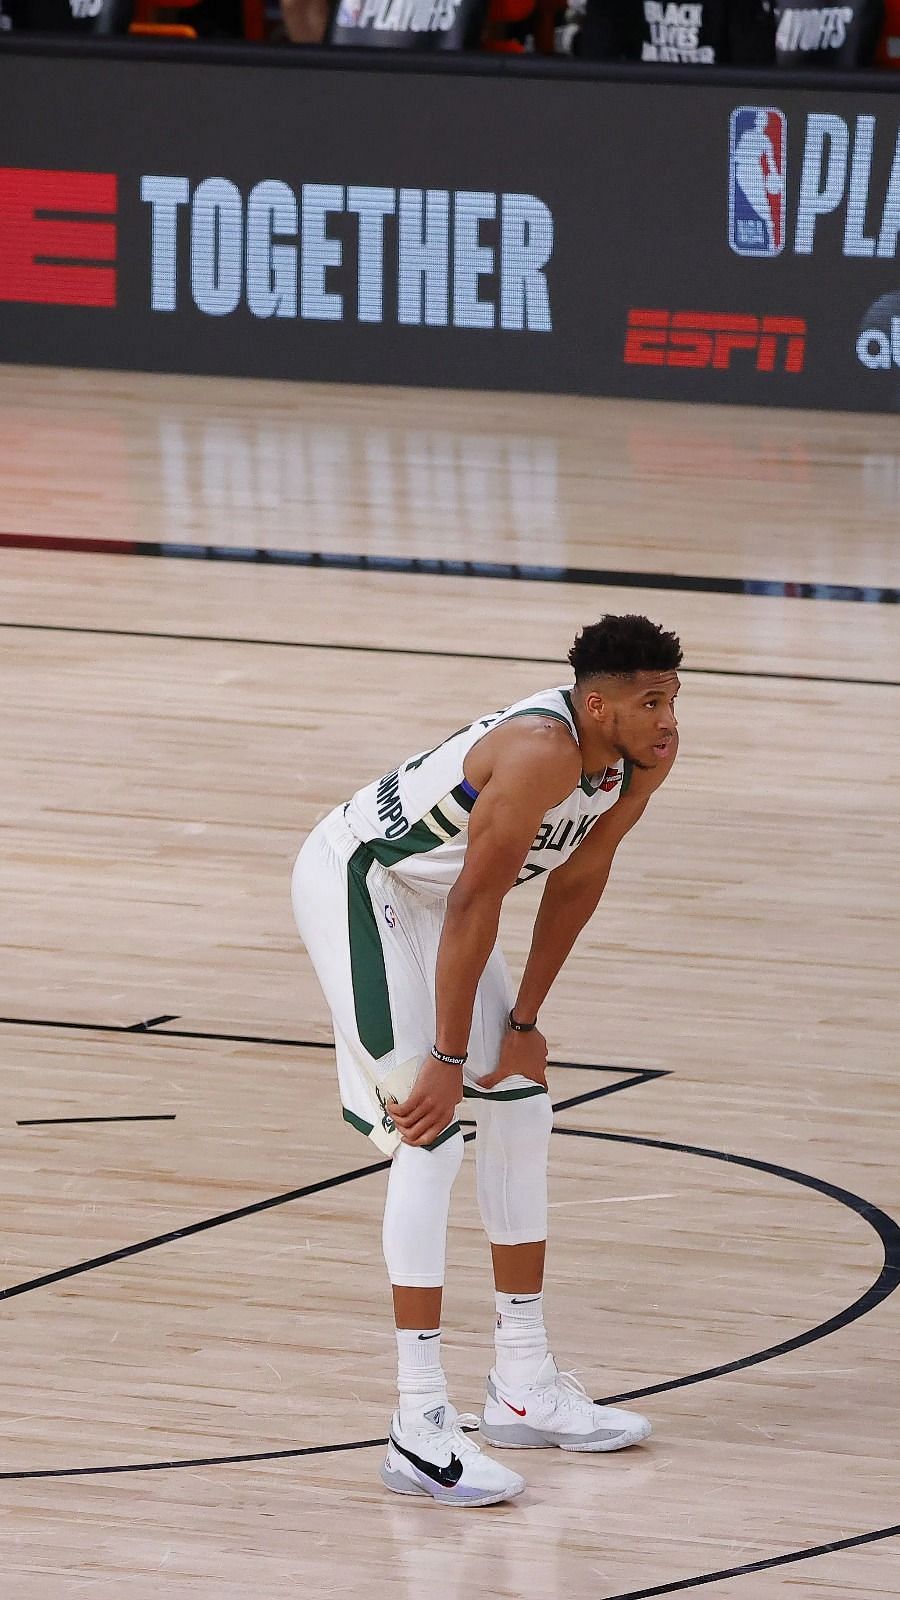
(572,892)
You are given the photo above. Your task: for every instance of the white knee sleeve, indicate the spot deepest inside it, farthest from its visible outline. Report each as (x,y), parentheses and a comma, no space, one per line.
(414,1234)
(511,1151)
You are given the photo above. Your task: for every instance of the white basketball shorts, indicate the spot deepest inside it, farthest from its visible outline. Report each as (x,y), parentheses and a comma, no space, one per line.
(373,943)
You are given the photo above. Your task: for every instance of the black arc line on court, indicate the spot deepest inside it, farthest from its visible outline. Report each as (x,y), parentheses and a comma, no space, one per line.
(884,1226)
(438,567)
(768,1562)
(439,655)
(887,1282)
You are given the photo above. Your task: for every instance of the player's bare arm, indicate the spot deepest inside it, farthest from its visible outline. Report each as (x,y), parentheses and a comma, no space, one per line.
(521,771)
(572,894)
(570,898)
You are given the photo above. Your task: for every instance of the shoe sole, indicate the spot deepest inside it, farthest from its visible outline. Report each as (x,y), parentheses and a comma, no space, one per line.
(515,1440)
(400,1484)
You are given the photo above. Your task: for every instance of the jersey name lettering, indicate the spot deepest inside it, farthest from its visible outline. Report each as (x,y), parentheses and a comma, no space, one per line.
(390,810)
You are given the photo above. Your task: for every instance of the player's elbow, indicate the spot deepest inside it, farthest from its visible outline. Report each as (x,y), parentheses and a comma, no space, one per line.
(482,895)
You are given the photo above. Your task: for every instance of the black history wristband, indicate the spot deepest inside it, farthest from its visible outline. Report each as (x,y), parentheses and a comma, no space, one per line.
(449,1061)
(521,1027)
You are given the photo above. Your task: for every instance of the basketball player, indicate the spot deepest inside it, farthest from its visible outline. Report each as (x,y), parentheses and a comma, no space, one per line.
(397,896)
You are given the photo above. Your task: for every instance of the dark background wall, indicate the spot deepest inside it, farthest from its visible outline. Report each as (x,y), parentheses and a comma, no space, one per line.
(246,218)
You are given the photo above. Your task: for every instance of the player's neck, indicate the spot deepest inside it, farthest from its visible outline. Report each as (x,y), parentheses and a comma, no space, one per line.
(597,752)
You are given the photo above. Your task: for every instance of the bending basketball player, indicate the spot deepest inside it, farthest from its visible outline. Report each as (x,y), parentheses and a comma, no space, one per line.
(397,897)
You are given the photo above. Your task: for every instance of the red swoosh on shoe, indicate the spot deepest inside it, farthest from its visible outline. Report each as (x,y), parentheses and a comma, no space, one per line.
(516,1409)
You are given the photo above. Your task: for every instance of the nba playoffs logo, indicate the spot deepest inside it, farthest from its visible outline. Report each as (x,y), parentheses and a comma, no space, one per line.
(757,169)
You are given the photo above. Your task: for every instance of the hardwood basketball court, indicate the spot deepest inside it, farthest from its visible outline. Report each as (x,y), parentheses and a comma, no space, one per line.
(191,1242)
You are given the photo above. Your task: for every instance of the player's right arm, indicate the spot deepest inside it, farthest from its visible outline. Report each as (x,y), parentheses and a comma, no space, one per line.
(524,770)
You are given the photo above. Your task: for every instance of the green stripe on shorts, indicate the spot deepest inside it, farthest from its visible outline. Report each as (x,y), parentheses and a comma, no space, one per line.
(356,1122)
(447,1134)
(371,1001)
(503,1094)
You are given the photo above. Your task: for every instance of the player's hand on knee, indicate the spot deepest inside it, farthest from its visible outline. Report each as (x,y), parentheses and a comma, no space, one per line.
(431,1104)
(522,1055)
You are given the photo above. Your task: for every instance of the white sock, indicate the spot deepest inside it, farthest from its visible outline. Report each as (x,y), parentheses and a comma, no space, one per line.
(520,1338)
(420,1376)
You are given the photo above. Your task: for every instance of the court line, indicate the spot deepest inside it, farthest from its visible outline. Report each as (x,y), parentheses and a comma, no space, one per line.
(885,1284)
(189,1230)
(436,567)
(56,1122)
(888,1230)
(164,1033)
(639,1074)
(438,655)
(199,1461)
(760,1566)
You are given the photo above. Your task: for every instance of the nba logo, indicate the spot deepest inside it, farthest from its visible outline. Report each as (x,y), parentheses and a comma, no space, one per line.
(757,167)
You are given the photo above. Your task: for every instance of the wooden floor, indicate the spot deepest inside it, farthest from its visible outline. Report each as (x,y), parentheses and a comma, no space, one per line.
(197,1358)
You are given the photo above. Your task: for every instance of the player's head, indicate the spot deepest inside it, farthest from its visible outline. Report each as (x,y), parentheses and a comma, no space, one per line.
(626,677)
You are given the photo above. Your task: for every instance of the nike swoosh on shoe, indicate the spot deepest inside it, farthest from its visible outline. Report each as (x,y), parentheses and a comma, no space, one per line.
(520,1412)
(447,1476)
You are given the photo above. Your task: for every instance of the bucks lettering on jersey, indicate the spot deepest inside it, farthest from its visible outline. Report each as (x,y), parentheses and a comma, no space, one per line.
(415,820)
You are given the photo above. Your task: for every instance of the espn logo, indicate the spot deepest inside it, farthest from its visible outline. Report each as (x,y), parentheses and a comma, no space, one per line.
(53,243)
(710,339)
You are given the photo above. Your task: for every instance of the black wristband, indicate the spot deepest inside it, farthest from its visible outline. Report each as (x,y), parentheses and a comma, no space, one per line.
(449,1061)
(522,1027)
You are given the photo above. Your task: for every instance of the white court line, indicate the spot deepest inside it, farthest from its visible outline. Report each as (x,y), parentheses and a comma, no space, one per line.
(611,1200)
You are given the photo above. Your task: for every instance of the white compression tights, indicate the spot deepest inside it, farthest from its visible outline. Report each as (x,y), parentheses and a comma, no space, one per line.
(511,1151)
(511,1168)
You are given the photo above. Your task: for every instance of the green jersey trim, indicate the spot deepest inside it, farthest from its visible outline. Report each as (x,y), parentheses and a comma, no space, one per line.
(462,797)
(366,1127)
(503,1094)
(419,839)
(542,711)
(371,1000)
(626,776)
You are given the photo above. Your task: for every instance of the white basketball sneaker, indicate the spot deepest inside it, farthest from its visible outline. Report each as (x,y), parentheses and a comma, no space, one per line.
(556,1410)
(437,1458)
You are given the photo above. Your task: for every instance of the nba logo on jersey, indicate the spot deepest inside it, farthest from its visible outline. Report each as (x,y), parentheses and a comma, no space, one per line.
(757,171)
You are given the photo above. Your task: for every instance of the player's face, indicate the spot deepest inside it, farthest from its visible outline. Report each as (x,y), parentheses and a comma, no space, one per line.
(644,722)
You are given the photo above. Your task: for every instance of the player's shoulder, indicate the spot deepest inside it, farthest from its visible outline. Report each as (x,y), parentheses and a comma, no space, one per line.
(539,751)
(536,739)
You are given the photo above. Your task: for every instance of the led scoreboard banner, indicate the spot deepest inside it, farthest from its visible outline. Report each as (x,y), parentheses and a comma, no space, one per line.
(557,228)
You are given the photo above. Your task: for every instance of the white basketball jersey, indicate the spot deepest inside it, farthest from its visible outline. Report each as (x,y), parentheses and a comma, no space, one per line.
(415,820)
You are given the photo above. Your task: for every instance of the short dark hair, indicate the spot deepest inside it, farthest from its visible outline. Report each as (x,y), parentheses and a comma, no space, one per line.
(618,647)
